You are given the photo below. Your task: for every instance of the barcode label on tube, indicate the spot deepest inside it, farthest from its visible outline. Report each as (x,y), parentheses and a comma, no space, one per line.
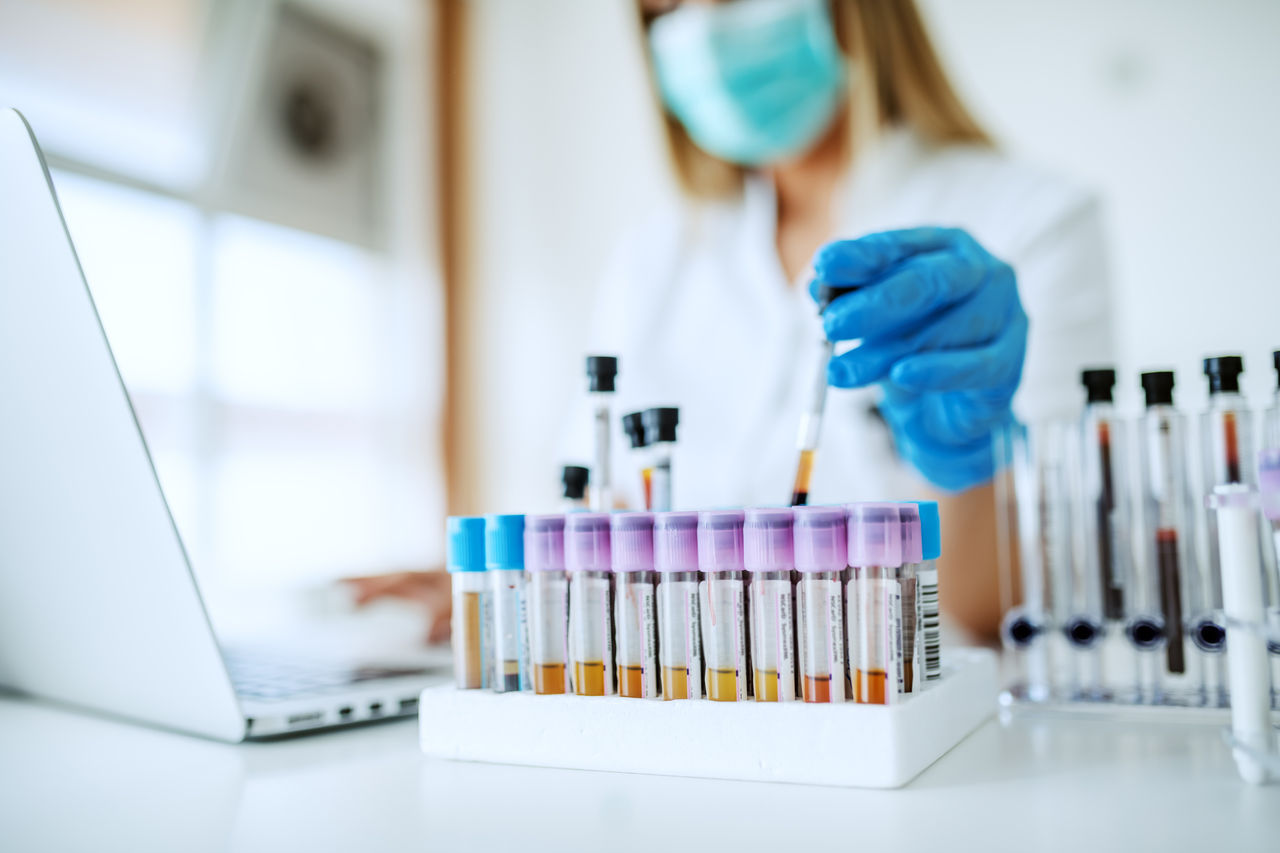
(929,626)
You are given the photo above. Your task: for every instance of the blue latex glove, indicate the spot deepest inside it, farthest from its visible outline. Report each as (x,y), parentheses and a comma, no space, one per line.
(944,334)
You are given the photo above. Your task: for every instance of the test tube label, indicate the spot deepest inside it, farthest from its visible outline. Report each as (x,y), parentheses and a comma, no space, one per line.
(774,656)
(637,626)
(929,634)
(724,639)
(680,646)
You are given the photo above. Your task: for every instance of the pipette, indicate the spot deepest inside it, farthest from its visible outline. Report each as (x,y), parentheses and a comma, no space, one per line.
(811,420)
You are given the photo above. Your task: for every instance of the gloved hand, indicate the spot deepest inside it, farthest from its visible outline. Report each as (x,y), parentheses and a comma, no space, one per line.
(942,331)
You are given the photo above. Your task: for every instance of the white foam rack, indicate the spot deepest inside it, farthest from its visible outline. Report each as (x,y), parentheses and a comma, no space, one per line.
(849,745)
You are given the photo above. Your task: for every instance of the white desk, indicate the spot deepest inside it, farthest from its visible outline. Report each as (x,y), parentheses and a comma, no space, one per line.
(70,781)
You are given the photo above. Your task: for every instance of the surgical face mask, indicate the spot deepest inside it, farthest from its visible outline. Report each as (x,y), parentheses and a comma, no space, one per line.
(752,81)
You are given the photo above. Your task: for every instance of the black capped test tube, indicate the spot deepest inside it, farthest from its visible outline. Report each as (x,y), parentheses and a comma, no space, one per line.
(602,370)
(1169,549)
(633,427)
(574,479)
(660,431)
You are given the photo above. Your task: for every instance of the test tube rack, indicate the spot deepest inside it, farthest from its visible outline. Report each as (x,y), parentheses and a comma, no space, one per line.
(845,744)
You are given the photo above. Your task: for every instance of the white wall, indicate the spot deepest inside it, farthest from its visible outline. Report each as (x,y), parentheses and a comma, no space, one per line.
(1166,107)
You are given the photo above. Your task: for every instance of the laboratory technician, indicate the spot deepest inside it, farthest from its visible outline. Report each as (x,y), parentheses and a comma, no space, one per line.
(796,129)
(820,141)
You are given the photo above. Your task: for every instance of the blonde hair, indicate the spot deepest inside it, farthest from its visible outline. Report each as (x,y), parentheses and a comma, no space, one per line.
(899,81)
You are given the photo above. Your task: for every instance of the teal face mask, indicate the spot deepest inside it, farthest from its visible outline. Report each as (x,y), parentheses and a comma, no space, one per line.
(752,81)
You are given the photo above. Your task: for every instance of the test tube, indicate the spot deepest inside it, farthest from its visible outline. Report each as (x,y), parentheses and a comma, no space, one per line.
(928,617)
(635,607)
(821,554)
(768,554)
(1269,488)
(1242,591)
(471,630)
(633,426)
(675,558)
(723,602)
(574,479)
(504,564)
(548,597)
(1104,445)
(601,372)
(911,675)
(875,599)
(1168,545)
(660,430)
(1227,446)
(589,563)
(1035,650)
(811,420)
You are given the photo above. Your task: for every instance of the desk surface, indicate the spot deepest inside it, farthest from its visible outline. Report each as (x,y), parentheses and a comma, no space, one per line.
(70,781)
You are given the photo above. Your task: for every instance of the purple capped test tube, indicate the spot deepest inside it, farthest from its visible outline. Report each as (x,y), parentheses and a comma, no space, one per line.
(675,558)
(548,602)
(635,611)
(821,552)
(768,554)
(587,558)
(723,602)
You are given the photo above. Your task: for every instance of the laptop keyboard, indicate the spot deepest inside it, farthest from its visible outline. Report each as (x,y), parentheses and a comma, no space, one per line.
(268,679)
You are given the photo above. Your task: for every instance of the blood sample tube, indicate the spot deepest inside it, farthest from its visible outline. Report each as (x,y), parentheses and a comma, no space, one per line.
(875,603)
(1168,531)
(504,562)
(928,616)
(587,559)
(472,657)
(821,553)
(548,597)
(635,607)
(675,558)
(768,554)
(723,603)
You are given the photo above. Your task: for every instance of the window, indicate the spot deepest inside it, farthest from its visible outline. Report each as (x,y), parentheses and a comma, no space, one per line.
(286,382)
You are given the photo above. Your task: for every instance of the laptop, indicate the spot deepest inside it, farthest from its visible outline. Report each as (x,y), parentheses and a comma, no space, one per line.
(98,604)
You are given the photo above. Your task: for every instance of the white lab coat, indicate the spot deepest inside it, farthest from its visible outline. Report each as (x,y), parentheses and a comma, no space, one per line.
(697,308)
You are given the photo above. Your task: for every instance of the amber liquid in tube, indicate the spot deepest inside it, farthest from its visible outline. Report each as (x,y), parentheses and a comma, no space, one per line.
(631,681)
(766,685)
(588,678)
(472,641)
(548,678)
(722,685)
(871,686)
(804,471)
(675,682)
(817,688)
